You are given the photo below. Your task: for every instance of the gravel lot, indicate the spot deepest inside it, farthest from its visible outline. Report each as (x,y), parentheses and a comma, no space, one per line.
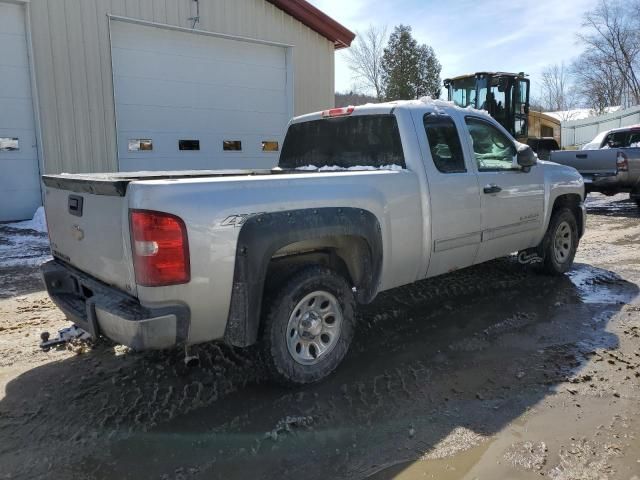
(492,372)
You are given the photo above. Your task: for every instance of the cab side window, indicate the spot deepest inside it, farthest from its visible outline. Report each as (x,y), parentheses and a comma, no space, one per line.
(634,140)
(444,143)
(493,150)
(616,140)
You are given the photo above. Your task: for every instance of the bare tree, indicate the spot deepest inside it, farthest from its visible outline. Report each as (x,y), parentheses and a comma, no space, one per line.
(598,82)
(613,42)
(352,98)
(558,92)
(365,58)
(536,104)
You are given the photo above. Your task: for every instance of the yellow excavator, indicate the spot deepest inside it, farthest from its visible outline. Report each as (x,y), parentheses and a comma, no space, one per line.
(505,96)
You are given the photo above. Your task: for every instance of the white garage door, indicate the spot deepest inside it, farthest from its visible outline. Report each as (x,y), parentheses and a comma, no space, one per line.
(186,100)
(19,172)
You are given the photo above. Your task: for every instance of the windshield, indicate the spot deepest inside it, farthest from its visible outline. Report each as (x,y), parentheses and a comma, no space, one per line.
(365,140)
(463,92)
(495,98)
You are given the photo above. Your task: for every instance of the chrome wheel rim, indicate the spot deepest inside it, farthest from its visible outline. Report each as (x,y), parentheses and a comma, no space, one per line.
(562,243)
(314,327)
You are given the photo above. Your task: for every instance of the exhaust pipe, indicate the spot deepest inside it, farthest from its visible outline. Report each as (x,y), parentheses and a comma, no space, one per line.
(190,360)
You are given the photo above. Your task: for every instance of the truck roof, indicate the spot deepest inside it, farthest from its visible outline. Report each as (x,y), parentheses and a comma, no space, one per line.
(624,129)
(424,103)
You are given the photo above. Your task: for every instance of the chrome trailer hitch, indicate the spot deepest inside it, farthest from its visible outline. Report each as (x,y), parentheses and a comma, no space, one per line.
(64,336)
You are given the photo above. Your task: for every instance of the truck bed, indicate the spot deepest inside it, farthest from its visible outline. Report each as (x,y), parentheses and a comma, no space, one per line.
(608,170)
(588,162)
(116,183)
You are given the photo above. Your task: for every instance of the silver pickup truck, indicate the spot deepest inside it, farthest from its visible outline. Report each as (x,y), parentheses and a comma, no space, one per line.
(613,167)
(364,199)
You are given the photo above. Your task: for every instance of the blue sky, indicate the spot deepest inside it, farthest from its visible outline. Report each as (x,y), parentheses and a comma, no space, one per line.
(472,35)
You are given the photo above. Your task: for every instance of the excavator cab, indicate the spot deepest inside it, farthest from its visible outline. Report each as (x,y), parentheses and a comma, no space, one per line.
(505,96)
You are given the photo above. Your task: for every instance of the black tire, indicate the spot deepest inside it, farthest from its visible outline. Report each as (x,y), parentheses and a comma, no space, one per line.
(558,260)
(275,345)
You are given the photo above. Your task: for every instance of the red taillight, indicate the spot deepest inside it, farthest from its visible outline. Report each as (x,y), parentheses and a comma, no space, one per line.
(338,112)
(160,248)
(622,163)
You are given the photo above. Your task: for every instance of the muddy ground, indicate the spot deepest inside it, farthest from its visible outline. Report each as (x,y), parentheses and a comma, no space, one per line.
(489,373)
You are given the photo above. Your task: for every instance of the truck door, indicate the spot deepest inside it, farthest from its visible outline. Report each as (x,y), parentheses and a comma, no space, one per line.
(512,198)
(455,210)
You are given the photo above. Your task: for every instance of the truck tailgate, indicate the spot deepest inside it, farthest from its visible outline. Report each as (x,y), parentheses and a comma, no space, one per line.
(593,163)
(90,232)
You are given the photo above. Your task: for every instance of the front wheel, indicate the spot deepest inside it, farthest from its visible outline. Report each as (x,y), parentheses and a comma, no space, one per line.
(308,326)
(560,243)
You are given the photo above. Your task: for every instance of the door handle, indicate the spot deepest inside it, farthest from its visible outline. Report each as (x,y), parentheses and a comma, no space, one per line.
(492,188)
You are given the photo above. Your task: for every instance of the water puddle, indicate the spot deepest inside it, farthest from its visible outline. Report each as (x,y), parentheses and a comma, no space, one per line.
(597,286)
(449,468)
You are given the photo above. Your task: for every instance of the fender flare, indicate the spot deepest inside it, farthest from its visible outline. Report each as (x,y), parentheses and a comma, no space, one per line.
(262,235)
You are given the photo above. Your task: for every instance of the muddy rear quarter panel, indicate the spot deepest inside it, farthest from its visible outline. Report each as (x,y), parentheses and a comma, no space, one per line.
(204,205)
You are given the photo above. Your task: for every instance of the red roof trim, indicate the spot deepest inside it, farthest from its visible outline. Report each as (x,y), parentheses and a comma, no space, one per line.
(317,20)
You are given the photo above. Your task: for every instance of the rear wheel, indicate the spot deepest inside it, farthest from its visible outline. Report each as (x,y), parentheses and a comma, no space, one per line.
(560,242)
(308,326)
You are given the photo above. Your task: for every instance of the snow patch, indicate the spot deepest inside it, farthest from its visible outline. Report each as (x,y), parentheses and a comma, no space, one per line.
(579,113)
(38,223)
(24,244)
(459,440)
(439,104)
(356,168)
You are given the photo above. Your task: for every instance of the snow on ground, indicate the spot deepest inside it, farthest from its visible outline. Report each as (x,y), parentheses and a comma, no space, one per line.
(38,223)
(24,243)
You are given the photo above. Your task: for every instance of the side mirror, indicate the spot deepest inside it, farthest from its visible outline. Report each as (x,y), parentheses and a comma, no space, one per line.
(526,158)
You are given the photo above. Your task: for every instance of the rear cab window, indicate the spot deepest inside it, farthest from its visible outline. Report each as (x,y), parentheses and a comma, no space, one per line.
(634,139)
(344,142)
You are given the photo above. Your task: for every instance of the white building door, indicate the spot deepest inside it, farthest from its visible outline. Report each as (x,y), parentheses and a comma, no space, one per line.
(186,100)
(19,170)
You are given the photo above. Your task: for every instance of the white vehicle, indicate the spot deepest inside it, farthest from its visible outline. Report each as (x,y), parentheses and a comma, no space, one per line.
(282,257)
(596,142)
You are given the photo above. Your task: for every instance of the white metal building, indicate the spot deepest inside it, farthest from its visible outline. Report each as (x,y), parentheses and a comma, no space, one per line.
(107,85)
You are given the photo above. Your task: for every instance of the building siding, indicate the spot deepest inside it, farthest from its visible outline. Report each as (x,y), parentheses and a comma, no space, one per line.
(72,59)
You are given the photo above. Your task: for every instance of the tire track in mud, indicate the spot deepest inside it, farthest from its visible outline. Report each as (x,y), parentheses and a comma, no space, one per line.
(94,400)
(384,397)
(360,405)
(97,398)
(364,400)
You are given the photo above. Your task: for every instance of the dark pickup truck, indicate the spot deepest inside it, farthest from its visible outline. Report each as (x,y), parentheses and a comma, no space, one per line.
(611,169)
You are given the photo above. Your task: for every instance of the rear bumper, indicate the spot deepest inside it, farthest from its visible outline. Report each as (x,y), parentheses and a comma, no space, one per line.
(103,310)
(619,182)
